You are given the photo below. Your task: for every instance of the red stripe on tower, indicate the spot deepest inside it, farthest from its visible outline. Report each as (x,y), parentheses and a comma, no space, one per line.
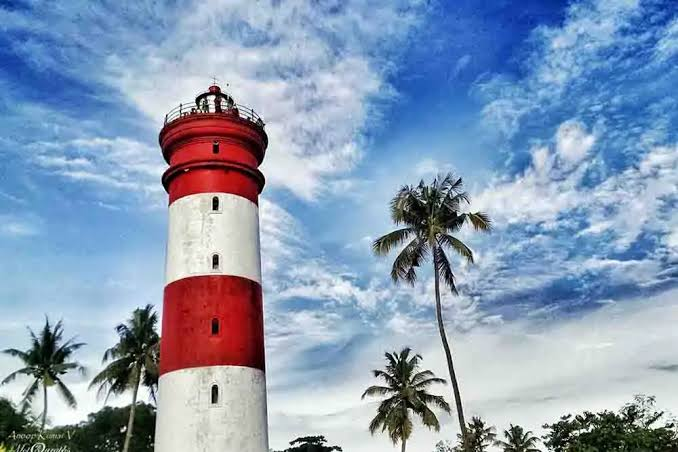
(212,390)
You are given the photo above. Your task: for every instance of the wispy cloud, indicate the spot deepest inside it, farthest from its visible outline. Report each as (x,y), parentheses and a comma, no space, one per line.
(14,226)
(313,84)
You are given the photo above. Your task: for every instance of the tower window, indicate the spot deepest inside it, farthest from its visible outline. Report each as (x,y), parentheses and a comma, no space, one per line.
(214,394)
(215,261)
(215,147)
(215,326)
(215,204)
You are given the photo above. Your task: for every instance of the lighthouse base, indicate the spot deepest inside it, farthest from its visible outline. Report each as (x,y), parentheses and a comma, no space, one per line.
(212,409)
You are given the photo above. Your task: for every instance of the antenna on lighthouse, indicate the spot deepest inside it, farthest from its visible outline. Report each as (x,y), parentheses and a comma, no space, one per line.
(215,80)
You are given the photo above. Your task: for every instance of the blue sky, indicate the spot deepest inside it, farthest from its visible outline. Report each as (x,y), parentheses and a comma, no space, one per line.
(561,117)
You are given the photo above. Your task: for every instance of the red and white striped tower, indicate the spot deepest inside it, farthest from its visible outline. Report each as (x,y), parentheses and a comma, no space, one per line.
(212,392)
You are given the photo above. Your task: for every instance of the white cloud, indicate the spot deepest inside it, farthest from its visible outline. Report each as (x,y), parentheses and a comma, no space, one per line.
(667,46)
(551,187)
(312,85)
(608,361)
(59,161)
(572,142)
(313,72)
(14,226)
(546,188)
(114,164)
(461,64)
(565,54)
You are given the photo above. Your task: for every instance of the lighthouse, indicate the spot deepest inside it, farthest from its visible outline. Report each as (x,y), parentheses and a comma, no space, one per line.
(212,387)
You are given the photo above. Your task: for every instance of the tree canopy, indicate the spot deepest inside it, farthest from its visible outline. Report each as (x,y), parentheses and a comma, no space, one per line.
(311,444)
(637,427)
(405,395)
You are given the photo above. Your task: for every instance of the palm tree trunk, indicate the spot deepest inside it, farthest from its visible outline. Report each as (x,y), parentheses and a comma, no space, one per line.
(132,410)
(44,411)
(402,446)
(448,354)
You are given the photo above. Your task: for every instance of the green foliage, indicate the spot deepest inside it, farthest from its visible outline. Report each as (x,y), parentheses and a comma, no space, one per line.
(406,393)
(637,427)
(46,361)
(311,444)
(518,440)
(134,359)
(132,362)
(104,431)
(444,446)
(479,436)
(430,214)
(13,421)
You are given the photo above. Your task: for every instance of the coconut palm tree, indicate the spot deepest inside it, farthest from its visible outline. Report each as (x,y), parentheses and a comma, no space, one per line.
(46,361)
(518,440)
(479,436)
(406,394)
(429,216)
(132,362)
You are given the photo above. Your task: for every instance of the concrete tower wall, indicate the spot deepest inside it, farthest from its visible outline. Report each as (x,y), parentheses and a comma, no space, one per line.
(212,389)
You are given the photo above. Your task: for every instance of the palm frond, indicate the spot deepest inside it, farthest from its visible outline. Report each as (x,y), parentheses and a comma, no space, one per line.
(479,220)
(428,382)
(113,379)
(377,422)
(29,394)
(11,377)
(442,266)
(428,418)
(421,376)
(66,394)
(431,399)
(16,353)
(384,244)
(408,260)
(387,377)
(377,391)
(457,245)
(408,206)
(451,183)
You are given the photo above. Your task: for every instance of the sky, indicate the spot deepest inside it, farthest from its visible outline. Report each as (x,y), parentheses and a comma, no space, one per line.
(562,118)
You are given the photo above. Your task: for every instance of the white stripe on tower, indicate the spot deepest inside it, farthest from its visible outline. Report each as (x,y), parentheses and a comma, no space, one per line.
(197,232)
(194,423)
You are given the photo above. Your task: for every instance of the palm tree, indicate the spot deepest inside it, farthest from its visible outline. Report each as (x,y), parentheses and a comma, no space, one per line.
(46,361)
(131,362)
(406,391)
(430,214)
(518,440)
(479,436)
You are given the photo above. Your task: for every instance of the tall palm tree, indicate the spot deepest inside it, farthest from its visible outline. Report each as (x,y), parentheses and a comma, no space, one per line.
(132,362)
(518,440)
(429,216)
(46,361)
(406,393)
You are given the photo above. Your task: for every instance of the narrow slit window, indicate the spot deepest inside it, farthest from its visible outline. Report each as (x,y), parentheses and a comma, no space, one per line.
(214,394)
(215,204)
(215,262)
(215,326)
(215,147)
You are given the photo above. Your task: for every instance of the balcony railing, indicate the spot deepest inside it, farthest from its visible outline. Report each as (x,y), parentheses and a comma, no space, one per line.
(209,106)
